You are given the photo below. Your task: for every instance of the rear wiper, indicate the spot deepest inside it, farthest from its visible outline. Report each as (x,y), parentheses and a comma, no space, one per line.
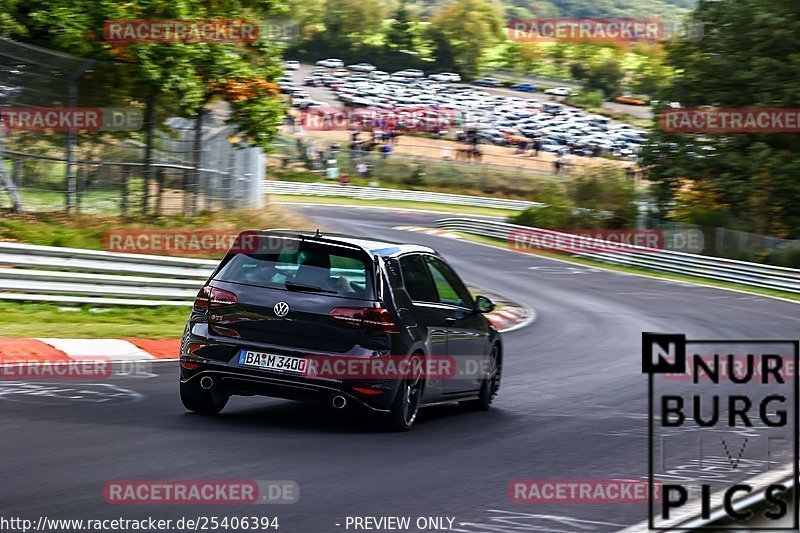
(309,288)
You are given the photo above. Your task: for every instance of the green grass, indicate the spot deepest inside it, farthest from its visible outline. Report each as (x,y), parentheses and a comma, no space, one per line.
(91,201)
(499,243)
(89,231)
(27,320)
(32,320)
(400,204)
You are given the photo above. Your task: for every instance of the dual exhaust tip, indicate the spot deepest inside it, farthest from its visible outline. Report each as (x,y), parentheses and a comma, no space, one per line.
(338,402)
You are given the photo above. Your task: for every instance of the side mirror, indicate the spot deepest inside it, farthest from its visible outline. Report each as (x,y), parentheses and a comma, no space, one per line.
(484,304)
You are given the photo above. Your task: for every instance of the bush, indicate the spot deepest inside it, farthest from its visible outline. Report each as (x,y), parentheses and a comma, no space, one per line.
(593,99)
(610,197)
(557,213)
(786,255)
(604,200)
(416,178)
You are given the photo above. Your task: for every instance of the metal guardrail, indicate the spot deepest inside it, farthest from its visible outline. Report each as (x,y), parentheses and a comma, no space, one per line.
(73,275)
(687,264)
(378,193)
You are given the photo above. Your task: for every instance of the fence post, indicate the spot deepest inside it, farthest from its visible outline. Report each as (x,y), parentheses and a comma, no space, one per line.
(185,204)
(72,179)
(126,174)
(72,138)
(150,124)
(80,185)
(18,172)
(198,160)
(159,189)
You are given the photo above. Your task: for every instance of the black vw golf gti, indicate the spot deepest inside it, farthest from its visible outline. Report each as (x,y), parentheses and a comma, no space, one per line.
(280,303)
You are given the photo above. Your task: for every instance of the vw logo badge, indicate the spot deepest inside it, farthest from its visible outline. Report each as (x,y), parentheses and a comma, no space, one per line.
(281,309)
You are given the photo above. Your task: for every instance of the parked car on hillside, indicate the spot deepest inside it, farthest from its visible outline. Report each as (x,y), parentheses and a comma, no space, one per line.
(525,87)
(488,82)
(330,63)
(559,91)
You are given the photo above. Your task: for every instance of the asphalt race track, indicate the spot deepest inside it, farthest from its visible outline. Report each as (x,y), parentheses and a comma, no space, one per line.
(572,406)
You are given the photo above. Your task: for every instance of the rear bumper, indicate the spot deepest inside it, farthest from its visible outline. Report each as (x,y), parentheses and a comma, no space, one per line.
(218,360)
(245,382)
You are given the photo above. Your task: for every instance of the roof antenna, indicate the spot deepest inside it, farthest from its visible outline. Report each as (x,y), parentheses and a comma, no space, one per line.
(317,234)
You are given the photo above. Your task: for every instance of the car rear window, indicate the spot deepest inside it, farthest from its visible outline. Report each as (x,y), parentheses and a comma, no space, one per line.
(303,266)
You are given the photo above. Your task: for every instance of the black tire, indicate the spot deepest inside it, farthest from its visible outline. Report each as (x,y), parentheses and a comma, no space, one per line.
(404,409)
(490,384)
(199,400)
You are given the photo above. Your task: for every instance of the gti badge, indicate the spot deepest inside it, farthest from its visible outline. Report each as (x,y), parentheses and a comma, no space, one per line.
(281,309)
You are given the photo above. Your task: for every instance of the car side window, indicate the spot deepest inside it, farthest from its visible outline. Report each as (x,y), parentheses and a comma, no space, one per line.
(449,287)
(416,279)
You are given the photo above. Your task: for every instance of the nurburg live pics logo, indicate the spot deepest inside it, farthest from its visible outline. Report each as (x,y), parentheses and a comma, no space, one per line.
(723,434)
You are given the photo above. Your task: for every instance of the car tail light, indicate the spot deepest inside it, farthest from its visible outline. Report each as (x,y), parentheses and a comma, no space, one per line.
(370,318)
(190,360)
(209,296)
(367,392)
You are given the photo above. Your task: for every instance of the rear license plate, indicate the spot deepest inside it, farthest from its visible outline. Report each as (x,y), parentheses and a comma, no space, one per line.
(273,362)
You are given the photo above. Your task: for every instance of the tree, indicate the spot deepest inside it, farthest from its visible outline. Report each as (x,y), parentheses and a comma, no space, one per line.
(605,76)
(352,21)
(400,35)
(748,57)
(441,46)
(526,56)
(308,14)
(558,52)
(470,27)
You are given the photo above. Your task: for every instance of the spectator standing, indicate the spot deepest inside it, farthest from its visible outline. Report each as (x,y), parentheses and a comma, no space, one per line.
(361,168)
(566,163)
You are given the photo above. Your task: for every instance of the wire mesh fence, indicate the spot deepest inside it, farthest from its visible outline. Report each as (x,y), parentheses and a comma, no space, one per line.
(191,169)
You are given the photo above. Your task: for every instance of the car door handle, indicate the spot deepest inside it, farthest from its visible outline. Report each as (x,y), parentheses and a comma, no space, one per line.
(451,320)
